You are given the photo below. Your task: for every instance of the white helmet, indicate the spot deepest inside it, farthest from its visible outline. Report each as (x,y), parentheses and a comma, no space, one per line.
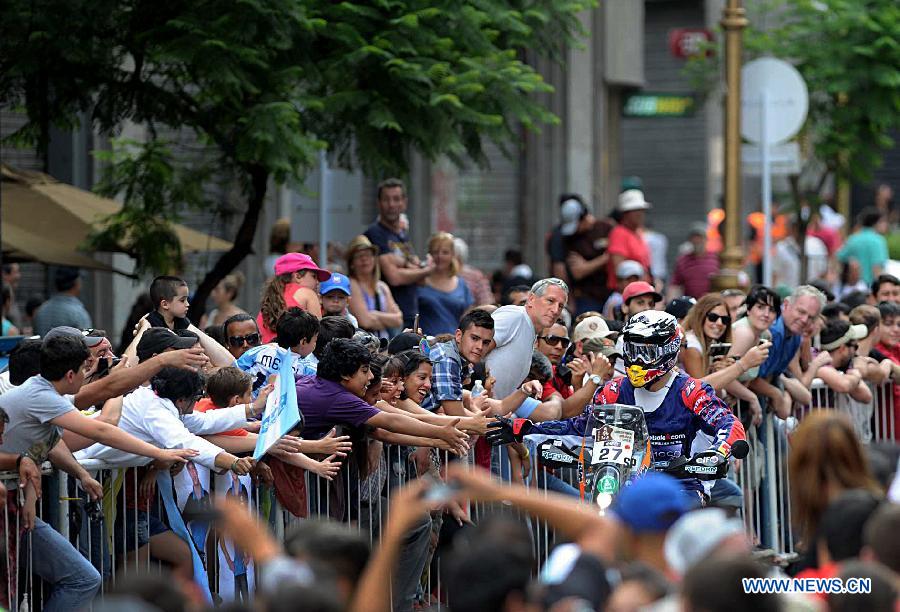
(651,341)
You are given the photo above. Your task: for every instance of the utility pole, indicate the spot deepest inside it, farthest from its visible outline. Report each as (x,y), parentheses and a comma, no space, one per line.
(734,20)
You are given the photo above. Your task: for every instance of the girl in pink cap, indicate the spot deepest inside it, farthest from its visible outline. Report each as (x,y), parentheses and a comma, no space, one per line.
(296,283)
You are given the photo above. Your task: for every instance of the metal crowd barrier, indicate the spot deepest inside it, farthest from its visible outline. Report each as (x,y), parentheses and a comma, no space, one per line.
(763,475)
(360,498)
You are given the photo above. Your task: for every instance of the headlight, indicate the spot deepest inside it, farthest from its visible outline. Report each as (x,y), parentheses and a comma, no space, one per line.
(604,500)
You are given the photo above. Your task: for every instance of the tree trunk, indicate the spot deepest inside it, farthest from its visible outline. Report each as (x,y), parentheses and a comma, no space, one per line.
(243,243)
(812,203)
(801,224)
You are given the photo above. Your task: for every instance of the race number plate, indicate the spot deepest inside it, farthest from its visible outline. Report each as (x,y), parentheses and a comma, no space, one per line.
(612,445)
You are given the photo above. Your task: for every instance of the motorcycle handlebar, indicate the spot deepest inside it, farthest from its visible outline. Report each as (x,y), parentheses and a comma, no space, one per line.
(686,470)
(740,449)
(554,455)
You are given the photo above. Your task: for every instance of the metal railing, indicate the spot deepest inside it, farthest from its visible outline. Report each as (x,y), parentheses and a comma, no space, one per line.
(763,475)
(360,497)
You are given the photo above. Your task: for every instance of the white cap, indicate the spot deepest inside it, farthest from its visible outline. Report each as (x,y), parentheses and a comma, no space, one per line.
(522,271)
(632,199)
(854,332)
(830,218)
(570,213)
(696,534)
(629,267)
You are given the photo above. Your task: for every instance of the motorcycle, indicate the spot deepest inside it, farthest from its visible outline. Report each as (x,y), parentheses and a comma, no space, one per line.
(615,450)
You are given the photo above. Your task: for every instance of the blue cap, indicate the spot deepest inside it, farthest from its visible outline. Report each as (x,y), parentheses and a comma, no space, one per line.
(651,503)
(337,281)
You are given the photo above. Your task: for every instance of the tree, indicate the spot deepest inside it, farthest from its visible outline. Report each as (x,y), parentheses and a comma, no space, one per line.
(848,53)
(266,84)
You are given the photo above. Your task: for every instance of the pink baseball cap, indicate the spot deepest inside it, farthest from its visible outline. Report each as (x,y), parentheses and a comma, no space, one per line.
(640,288)
(294,262)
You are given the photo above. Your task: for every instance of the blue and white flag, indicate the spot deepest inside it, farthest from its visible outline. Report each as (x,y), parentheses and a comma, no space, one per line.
(281,414)
(176,523)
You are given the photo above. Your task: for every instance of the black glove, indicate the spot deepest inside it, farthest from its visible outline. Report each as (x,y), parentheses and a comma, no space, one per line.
(506,431)
(708,465)
(710,458)
(715,457)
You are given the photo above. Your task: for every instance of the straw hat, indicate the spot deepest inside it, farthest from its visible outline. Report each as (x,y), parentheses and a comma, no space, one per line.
(361,243)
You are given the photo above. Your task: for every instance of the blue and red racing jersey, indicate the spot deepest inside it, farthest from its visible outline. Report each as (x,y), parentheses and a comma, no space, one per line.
(689,406)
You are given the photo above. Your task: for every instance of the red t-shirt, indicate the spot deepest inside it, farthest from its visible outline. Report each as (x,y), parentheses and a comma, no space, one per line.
(883,420)
(205,404)
(268,335)
(556,385)
(628,244)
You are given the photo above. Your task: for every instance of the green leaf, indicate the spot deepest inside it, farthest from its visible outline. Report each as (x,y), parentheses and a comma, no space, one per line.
(258,87)
(451,99)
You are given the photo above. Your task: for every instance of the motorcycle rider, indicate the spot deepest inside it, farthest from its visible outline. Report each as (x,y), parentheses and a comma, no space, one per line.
(675,405)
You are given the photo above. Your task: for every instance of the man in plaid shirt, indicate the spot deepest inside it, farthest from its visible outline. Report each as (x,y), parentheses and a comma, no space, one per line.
(453,363)
(473,338)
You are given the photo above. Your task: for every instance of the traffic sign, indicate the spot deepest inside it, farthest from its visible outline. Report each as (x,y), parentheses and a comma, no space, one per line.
(774,102)
(787,95)
(784,159)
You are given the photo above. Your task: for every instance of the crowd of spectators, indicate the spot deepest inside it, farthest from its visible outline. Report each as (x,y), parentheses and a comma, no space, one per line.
(400,365)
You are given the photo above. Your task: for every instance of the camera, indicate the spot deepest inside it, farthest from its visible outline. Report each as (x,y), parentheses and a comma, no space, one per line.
(106,365)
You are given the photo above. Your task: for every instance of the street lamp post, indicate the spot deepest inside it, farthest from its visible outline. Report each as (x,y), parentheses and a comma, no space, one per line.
(732,257)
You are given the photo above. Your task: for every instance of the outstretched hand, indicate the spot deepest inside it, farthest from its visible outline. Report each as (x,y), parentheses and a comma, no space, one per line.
(259,404)
(333,444)
(328,468)
(187,359)
(455,437)
(168,456)
(506,431)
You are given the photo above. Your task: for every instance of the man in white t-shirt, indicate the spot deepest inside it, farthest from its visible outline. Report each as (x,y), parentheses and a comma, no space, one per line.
(38,412)
(515,330)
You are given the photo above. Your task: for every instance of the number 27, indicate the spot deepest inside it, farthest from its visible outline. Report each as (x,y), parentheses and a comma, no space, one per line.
(605,451)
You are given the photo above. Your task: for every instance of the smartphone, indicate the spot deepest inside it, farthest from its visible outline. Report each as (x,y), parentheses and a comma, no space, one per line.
(416,324)
(719,349)
(441,492)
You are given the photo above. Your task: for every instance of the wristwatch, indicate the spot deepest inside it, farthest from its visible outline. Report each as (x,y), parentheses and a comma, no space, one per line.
(595,378)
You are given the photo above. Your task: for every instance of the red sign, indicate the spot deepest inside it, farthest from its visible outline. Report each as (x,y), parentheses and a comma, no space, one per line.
(688,42)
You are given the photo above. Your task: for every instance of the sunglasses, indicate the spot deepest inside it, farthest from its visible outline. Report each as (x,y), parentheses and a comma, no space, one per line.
(556,340)
(238,341)
(852,345)
(714,318)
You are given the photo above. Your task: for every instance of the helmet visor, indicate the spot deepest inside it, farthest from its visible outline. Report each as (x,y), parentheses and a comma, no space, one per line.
(645,353)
